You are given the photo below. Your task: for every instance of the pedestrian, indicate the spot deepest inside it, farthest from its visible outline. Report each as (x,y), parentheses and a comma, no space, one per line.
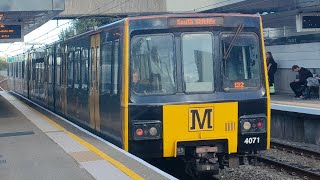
(272,67)
(300,84)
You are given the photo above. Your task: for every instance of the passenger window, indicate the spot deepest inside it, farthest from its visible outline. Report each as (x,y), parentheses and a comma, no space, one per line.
(241,62)
(22,69)
(115,66)
(58,71)
(92,78)
(105,68)
(198,62)
(97,65)
(50,62)
(33,67)
(37,71)
(153,65)
(41,72)
(17,70)
(84,67)
(77,69)
(46,68)
(70,69)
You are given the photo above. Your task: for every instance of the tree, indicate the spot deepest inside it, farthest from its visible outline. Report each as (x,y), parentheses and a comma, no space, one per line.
(79,26)
(3,64)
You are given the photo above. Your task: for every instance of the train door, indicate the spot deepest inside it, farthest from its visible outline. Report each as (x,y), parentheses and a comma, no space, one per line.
(94,75)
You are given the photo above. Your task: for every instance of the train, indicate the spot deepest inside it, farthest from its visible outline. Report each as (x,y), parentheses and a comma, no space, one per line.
(187,86)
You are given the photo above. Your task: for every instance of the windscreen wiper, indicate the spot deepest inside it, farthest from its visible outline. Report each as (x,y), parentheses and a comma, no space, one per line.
(238,31)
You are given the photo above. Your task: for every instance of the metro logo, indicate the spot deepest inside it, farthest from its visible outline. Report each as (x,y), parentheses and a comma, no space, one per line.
(201,119)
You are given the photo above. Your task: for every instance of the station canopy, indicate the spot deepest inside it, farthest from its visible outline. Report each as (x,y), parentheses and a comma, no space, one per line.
(19,17)
(276,13)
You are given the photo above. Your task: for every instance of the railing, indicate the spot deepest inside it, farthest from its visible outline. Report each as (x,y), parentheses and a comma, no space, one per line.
(274,33)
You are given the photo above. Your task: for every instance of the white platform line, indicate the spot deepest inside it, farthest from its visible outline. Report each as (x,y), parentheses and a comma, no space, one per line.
(297,109)
(97,169)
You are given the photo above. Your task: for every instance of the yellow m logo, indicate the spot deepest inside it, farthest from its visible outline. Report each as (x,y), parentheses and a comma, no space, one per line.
(201,119)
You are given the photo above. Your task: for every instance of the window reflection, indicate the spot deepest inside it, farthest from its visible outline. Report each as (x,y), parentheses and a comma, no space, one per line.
(153,65)
(242,63)
(197,62)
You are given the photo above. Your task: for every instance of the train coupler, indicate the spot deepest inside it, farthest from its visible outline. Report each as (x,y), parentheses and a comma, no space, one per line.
(207,168)
(206,160)
(198,167)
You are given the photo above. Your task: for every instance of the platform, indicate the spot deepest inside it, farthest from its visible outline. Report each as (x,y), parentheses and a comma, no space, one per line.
(36,144)
(291,104)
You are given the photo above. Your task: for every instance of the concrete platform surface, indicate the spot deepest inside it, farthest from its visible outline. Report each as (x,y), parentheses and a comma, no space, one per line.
(292,104)
(37,144)
(28,153)
(291,100)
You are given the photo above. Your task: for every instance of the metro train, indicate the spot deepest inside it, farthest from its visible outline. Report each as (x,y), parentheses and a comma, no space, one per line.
(189,86)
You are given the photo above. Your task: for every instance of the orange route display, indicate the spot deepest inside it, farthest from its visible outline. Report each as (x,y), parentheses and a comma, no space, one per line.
(185,22)
(10,31)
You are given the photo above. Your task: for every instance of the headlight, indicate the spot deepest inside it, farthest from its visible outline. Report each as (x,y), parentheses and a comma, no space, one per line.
(253,123)
(246,126)
(143,130)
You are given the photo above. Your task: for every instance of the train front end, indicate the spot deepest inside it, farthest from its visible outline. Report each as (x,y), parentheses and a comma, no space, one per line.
(197,89)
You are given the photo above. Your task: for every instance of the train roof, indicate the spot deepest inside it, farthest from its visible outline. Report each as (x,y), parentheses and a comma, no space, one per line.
(168,15)
(137,17)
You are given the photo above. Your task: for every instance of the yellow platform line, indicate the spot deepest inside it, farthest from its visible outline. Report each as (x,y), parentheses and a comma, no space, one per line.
(114,162)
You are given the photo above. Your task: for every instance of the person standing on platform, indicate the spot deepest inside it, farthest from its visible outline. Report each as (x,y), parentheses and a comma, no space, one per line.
(272,68)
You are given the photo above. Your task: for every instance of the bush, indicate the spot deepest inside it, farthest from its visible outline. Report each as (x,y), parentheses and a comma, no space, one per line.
(3,64)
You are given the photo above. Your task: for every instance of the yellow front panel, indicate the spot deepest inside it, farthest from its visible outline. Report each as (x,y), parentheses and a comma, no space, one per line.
(267,89)
(125,88)
(191,122)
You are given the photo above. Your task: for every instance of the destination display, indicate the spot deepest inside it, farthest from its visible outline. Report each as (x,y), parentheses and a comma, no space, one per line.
(214,21)
(10,31)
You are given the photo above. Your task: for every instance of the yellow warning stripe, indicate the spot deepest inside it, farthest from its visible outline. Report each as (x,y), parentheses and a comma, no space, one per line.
(114,162)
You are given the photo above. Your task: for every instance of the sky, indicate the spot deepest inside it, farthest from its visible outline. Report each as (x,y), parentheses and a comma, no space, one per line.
(45,34)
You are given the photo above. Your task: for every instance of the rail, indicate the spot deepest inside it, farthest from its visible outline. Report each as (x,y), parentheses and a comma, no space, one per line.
(293,170)
(303,151)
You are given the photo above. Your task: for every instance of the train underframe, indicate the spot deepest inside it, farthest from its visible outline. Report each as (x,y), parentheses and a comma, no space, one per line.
(202,161)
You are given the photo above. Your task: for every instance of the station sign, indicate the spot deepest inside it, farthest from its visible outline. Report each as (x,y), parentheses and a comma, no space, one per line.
(10,59)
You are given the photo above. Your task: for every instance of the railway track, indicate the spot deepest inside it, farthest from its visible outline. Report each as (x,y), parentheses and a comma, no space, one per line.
(294,170)
(303,151)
